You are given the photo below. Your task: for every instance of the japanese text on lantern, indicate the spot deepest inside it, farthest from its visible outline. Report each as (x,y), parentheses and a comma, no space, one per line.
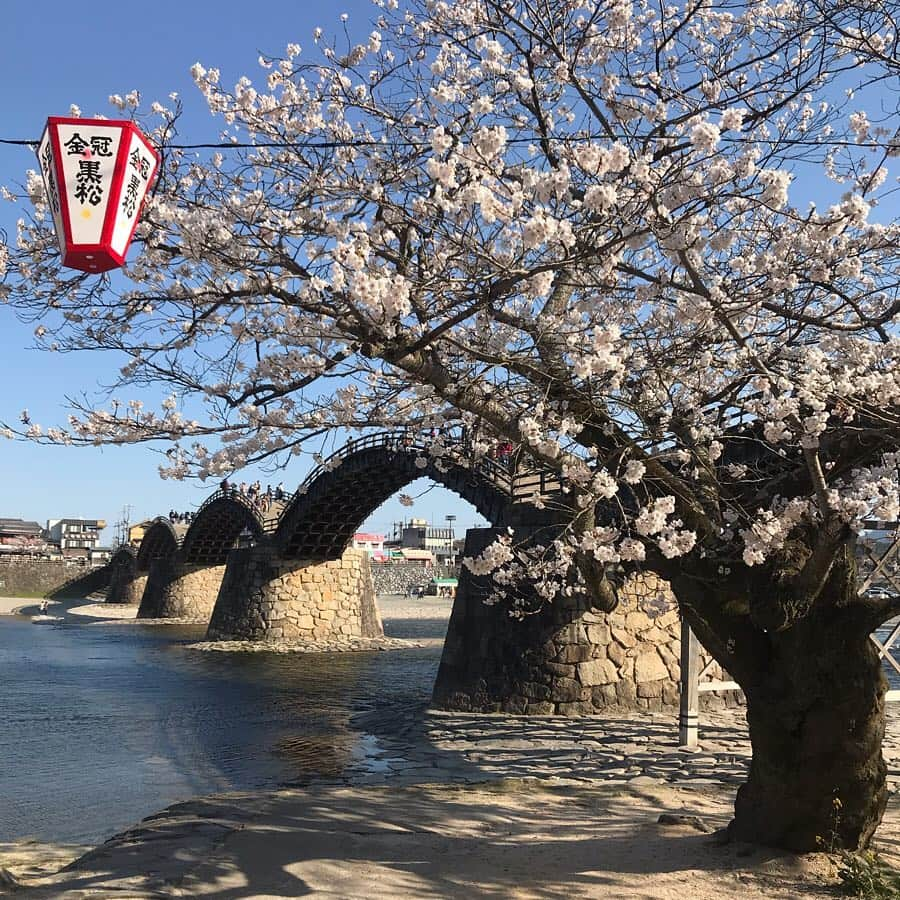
(141,167)
(50,178)
(96,176)
(88,180)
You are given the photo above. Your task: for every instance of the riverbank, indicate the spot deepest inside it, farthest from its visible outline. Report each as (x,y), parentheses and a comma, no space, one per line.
(444,805)
(505,839)
(456,805)
(395,608)
(70,610)
(11,606)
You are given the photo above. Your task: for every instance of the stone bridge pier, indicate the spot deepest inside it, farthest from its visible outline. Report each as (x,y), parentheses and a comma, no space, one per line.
(264,597)
(176,589)
(128,591)
(126,584)
(565,659)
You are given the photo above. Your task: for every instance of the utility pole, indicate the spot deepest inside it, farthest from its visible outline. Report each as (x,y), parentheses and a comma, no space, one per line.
(450,521)
(122,525)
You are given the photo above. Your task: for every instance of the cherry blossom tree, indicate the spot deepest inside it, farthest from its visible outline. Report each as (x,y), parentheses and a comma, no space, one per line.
(575,226)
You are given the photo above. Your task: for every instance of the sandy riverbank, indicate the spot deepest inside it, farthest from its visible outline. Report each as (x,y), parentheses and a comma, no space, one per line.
(505,839)
(12,606)
(392,606)
(78,609)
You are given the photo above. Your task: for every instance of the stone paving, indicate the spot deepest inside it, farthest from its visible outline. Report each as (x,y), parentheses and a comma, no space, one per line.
(339,644)
(417,745)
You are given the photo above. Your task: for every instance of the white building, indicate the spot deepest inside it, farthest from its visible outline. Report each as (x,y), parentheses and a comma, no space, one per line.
(373,544)
(419,535)
(75,537)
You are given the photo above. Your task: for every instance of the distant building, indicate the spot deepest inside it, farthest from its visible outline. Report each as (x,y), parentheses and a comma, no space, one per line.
(424,558)
(373,544)
(137,531)
(419,535)
(75,537)
(21,536)
(441,587)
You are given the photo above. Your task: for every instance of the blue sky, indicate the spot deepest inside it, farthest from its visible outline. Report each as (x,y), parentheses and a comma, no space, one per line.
(58,53)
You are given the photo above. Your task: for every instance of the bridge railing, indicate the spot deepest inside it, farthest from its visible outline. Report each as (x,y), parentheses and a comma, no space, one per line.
(247,502)
(516,475)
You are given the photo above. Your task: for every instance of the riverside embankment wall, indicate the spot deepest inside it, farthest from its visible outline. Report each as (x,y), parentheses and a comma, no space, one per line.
(398,578)
(22,576)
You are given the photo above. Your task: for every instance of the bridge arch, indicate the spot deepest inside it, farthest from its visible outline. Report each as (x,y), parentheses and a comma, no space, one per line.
(160,541)
(301,582)
(337,497)
(216,528)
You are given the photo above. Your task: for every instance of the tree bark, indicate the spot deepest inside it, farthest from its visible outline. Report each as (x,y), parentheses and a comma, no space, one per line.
(816,718)
(815,708)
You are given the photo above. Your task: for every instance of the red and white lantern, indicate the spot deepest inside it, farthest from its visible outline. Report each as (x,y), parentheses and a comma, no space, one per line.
(96,174)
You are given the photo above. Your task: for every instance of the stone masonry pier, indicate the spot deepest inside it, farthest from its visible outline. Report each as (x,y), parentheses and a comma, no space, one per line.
(177,590)
(122,572)
(266,598)
(565,659)
(128,590)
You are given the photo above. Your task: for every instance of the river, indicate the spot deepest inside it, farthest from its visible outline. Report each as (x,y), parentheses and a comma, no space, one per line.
(105,724)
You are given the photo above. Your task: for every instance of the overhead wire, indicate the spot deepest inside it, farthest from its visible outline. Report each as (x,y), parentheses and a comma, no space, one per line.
(892,146)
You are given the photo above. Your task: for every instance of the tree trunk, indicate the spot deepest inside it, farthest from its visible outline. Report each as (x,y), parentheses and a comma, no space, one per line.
(815,705)
(816,715)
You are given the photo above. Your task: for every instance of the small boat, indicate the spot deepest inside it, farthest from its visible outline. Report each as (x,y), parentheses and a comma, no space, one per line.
(44,619)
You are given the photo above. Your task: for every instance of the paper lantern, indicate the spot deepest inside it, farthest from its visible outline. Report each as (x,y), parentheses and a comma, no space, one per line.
(96,174)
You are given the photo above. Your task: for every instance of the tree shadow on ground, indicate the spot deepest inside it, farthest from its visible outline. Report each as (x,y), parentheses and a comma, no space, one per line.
(506,839)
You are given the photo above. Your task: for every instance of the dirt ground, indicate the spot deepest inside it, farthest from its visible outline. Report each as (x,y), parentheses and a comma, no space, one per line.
(517,839)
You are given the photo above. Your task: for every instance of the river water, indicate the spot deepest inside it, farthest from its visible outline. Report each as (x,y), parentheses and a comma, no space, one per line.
(101,725)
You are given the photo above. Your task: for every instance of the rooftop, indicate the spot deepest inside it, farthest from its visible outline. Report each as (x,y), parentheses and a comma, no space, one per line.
(19,526)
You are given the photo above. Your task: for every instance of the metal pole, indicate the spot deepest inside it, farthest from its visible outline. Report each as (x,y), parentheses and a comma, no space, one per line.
(450,521)
(689,713)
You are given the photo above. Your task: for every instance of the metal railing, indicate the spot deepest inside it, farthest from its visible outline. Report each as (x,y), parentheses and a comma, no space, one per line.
(881,568)
(693,673)
(249,503)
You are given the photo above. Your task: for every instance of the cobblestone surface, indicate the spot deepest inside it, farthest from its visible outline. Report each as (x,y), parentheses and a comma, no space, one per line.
(641,749)
(311,646)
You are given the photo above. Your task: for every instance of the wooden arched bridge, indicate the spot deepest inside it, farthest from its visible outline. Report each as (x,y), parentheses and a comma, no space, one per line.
(287,574)
(179,569)
(318,521)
